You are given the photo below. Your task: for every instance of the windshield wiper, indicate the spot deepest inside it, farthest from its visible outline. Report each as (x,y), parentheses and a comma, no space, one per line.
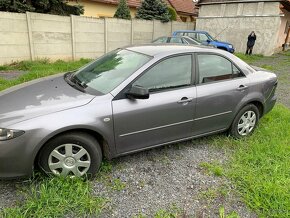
(75,82)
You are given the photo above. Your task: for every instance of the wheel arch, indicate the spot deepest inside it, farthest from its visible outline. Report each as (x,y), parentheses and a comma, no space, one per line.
(107,151)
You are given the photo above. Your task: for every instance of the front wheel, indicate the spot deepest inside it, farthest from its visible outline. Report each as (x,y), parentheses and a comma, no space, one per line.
(71,154)
(245,122)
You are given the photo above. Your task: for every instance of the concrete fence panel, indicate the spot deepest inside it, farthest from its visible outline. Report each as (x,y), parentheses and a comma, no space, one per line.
(32,36)
(14,42)
(89,37)
(51,36)
(119,33)
(142,31)
(161,29)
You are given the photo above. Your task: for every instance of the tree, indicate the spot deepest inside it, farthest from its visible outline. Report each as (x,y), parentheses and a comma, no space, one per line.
(58,7)
(153,9)
(172,13)
(123,10)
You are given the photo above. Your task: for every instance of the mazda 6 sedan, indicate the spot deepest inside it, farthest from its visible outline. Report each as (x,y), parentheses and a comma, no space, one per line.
(128,100)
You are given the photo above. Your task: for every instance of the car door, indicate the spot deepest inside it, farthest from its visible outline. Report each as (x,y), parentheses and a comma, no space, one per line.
(221,86)
(167,114)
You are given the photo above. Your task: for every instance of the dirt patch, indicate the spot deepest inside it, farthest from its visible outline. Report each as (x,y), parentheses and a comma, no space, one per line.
(9,75)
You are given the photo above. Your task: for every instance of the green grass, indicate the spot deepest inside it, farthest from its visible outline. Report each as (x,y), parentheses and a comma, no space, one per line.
(249,58)
(268,67)
(212,168)
(222,214)
(38,69)
(56,197)
(260,165)
(172,212)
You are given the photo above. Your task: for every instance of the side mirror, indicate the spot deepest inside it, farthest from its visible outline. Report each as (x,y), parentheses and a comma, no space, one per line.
(138,92)
(208,41)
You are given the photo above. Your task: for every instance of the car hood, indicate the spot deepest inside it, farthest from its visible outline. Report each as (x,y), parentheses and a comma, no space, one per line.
(226,43)
(37,98)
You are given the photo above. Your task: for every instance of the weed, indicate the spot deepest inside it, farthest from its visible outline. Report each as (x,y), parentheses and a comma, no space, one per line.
(172,212)
(117,185)
(210,194)
(213,193)
(212,168)
(106,167)
(222,214)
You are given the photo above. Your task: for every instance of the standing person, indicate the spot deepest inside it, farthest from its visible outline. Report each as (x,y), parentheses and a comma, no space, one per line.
(251,42)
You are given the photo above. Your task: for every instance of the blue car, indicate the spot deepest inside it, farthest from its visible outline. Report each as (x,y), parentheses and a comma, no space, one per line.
(205,37)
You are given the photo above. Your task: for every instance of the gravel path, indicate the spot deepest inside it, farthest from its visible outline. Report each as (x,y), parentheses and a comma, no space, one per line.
(170,176)
(163,177)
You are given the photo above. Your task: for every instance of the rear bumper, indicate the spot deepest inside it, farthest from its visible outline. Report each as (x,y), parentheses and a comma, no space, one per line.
(271,100)
(270,104)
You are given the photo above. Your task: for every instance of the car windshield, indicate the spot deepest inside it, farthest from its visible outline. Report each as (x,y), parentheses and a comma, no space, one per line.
(193,41)
(211,38)
(107,72)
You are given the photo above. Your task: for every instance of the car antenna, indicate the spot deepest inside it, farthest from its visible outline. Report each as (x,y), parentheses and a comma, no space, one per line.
(220,32)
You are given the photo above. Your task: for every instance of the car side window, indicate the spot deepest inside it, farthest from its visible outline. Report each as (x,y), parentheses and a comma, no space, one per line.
(202,37)
(193,35)
(170,73)
(215,68)
(161,40)
(175,40)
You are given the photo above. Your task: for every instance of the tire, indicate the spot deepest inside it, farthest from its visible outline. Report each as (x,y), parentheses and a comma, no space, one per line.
(245,121)
(73,154)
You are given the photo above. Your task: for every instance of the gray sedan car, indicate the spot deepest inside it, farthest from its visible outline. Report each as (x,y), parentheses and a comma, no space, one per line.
(126,101)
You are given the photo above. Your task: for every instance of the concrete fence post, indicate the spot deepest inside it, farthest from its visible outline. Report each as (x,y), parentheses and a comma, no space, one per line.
(153,32)
(106,34)
(171,27)
(132,32)
(73,46)
(30,40)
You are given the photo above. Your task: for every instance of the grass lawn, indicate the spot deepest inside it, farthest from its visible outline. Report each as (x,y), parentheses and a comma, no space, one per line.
(37,69)
(259,166)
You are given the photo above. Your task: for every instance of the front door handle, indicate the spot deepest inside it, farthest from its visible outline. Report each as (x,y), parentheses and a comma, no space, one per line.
(242,88)
(184,100)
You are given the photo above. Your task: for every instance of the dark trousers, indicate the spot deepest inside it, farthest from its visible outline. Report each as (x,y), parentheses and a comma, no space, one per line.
(249,50)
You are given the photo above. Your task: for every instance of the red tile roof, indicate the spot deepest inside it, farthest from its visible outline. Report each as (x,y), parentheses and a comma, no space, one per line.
(131,3)
(183,6)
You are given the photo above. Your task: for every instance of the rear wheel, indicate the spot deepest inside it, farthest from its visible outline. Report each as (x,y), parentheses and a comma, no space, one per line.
(245,122)
(71,154)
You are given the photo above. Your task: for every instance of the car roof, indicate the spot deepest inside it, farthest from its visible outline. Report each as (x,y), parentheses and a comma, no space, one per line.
(168,49)
(190,31)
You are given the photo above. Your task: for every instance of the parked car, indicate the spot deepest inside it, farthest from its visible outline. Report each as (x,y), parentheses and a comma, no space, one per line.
(129,100)
(177,40)
(180,40)
(205,37)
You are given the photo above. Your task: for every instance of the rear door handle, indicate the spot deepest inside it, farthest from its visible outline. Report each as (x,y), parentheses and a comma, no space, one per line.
(242,88)
(184,100)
